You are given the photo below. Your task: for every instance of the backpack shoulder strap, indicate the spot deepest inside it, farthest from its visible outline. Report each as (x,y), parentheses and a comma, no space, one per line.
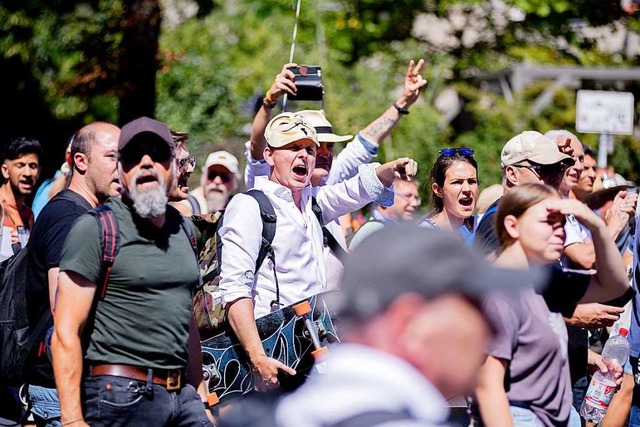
(109,241)
(195,205)
(268,215)
(329,239)
(190,234)
(489,212)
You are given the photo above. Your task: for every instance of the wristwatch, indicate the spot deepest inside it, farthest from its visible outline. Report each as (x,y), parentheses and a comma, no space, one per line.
(402,111)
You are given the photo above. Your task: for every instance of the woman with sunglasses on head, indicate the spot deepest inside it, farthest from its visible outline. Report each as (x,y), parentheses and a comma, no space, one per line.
(454,187)
(525,380)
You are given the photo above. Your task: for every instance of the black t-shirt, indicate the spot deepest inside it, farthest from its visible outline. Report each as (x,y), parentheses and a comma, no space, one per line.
(45,250)
(486,238)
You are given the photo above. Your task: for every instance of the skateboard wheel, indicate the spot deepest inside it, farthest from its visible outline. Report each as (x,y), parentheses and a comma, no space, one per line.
(213,399)
(320,353)
(302,308)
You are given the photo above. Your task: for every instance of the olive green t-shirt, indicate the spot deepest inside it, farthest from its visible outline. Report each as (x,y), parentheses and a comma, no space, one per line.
(144,317)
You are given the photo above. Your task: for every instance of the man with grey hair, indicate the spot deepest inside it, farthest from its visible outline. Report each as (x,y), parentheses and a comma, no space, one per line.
(528,157)
(142,365)
(219,181)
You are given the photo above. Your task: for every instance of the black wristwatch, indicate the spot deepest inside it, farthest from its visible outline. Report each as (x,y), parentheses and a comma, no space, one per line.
(402,111)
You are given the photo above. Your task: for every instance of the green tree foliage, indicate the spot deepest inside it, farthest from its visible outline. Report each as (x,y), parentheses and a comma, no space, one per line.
(69,63)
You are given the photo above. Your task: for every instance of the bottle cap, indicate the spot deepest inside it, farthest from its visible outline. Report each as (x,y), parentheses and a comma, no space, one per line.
(624,332)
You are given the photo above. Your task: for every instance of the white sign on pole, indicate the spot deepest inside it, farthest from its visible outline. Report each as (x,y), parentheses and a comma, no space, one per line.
(605,112)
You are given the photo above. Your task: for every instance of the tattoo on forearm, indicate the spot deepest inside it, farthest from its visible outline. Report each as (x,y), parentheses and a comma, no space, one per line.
(383,125)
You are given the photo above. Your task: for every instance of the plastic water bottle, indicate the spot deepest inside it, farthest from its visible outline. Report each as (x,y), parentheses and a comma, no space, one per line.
(603,386)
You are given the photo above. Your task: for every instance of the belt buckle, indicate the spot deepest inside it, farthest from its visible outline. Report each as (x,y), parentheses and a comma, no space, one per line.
(174,379)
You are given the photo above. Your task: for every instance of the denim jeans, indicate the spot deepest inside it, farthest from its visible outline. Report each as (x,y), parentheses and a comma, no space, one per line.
(45,406)
(523,417)
(117,401)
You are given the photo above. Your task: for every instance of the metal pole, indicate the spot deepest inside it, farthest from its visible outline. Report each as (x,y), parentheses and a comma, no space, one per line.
(603,149)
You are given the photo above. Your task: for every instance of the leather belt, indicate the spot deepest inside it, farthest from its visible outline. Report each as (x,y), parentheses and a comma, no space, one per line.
(172,379)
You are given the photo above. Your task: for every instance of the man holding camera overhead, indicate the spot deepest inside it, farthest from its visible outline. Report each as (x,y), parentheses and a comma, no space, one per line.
(360,150)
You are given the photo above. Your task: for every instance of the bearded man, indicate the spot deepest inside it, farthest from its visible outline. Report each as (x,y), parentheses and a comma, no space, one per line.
(219,182)
(142,364)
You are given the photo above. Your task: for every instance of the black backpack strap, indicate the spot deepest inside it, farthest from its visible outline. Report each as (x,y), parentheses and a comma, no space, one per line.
(109,241)
(268,215)
(195,205)
(328,238)
(190,234)
(38,332)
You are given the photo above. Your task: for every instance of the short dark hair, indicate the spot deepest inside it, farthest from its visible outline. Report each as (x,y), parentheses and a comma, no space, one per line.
(588,151)
(179,138)
(18,147)
(81,142)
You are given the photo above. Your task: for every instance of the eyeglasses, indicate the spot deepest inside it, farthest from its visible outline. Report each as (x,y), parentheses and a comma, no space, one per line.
(448,152)
(544,170)
(183,162)
(224,177)
(133,154)
(409,197)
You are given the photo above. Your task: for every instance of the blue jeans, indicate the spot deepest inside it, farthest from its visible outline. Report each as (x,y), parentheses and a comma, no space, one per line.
(45,406)
(117,401)
(523,417)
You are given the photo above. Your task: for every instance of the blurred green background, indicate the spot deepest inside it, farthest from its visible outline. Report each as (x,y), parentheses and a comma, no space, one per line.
(202,65)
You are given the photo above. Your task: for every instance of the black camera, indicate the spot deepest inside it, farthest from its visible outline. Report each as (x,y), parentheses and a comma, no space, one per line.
(308,83)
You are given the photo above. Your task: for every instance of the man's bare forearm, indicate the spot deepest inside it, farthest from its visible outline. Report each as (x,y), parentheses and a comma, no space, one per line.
(241,319)
(258,142)
(382,127)
(67,369)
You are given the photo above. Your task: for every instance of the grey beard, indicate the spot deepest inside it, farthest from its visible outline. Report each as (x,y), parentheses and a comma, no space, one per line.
(217,201)
(149,203)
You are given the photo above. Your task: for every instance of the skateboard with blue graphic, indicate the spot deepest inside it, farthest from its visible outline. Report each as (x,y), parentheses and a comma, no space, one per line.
(296,335)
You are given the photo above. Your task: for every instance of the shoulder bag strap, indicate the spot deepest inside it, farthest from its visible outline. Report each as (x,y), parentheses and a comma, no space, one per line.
(109,241)
(328,238)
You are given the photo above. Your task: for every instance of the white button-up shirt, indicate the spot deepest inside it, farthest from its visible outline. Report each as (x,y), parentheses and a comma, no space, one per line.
(298,242)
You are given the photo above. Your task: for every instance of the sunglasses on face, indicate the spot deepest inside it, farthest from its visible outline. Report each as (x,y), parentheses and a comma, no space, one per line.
(191,161)
(159,152)
(448,152)
(224,177)
(544,170)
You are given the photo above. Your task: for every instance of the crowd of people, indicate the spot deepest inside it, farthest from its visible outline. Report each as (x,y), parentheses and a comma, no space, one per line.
(503,297)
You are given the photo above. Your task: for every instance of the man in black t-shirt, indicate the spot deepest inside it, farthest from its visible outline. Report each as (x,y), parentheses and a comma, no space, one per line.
(94,150)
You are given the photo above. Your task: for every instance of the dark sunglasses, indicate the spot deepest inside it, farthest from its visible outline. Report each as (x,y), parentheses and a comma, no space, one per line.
(544,170)
(159,153)
(224,177)
(464,151)
(191,161)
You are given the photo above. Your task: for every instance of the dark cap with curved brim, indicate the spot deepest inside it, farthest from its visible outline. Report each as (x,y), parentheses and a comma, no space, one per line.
(409,259)
(144,125)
